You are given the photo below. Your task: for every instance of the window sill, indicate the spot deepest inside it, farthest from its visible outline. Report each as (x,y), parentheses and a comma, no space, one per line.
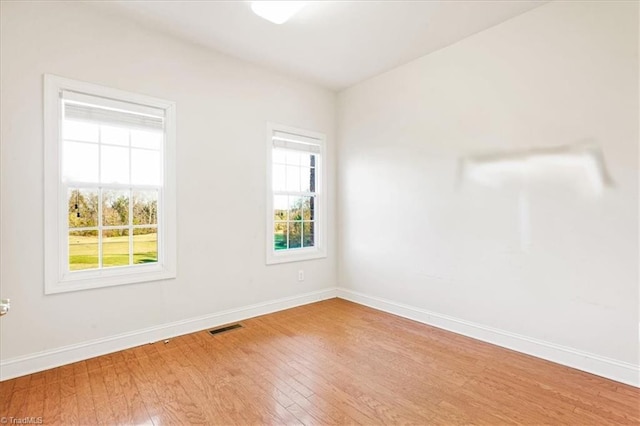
(295,256)
(107,278)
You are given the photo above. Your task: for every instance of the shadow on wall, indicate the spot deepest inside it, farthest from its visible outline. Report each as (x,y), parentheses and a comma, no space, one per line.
(578,168)
(581,166)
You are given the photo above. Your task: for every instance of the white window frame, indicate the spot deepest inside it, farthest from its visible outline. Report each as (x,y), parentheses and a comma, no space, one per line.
(320,226)
(57,277)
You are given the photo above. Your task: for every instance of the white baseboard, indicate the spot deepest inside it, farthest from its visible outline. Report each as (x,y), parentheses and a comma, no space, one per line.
(612,369)
(591,363)
(40,361)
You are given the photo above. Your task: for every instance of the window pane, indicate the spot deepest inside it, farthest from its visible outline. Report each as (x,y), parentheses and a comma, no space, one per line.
(307,160)
(279,156)
(80,131)
(145,167)
(308,234)
(279,177)
(280,236)
(115,164)
(280,207)
(83,207)
(307,179)
(293,178)
(145,207)
(114,135)
(83,250)
(145,245)
(295,234)
(146,139)
(293,158)
(115,207)
(115,247)
(80,162)
(295,208)
(308,208)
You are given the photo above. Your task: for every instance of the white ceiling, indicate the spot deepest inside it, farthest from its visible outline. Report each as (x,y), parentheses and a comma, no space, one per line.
(332,43)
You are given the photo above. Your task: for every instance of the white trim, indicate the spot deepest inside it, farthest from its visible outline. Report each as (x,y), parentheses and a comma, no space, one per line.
(112,104)
(107,92)
(56,278)
(20,366)
(595,364)
(606,367)
(320,222)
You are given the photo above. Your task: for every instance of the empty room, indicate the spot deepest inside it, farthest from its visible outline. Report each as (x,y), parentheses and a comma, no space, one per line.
(320,212)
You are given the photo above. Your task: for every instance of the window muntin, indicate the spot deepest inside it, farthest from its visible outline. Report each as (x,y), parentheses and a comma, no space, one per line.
(110,163)
(295,198)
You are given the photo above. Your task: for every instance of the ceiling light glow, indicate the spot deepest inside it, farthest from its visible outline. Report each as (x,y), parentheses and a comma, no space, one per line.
(277,12)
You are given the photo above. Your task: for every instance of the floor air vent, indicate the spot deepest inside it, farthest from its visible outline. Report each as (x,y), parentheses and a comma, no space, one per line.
(223,329)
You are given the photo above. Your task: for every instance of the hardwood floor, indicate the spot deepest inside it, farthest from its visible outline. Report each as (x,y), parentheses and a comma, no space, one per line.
(332,362)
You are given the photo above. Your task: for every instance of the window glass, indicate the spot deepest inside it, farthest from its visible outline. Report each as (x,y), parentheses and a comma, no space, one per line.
(115,247)
(114,164)
(80,162)
(80,131)
(145,167)
(145,245)
(114,135)
(83,250)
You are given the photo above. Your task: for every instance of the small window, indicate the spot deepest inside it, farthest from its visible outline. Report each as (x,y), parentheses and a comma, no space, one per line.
(295,198)
(110,196)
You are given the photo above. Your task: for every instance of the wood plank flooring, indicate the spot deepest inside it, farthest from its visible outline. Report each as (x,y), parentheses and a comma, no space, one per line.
(328,363)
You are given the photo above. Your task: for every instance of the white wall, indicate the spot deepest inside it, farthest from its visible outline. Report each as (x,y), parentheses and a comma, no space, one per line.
(223,106)
(562,73)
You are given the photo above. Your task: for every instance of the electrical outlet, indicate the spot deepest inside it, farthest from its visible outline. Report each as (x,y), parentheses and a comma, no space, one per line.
(300,275)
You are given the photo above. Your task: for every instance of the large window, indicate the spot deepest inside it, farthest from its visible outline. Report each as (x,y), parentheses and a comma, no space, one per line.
(295,199)
(110,196)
